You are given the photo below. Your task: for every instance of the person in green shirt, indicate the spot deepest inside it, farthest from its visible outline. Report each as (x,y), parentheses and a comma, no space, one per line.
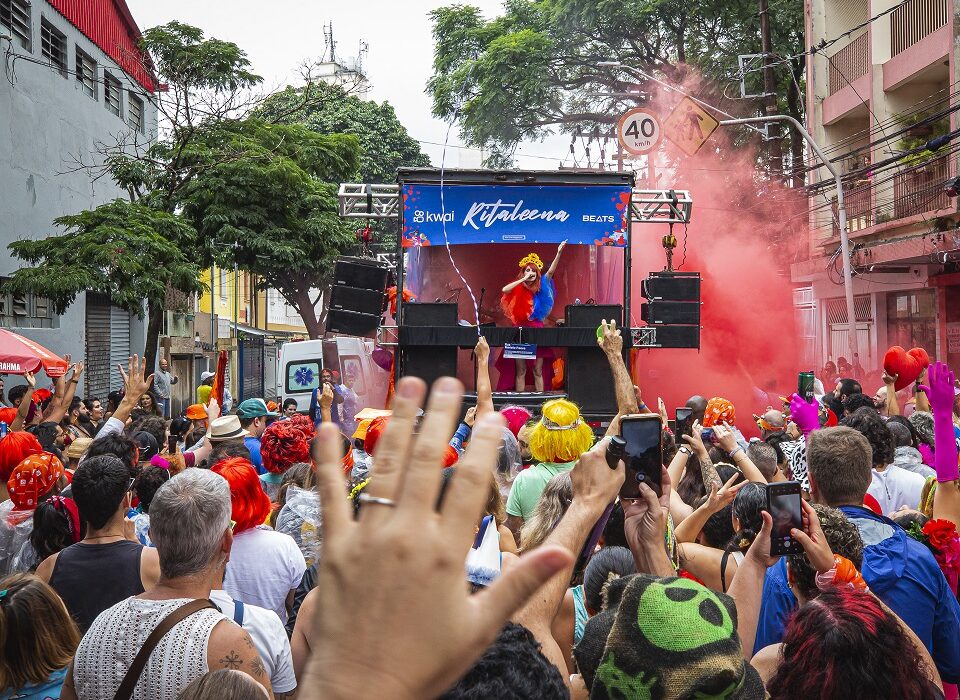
(557,442)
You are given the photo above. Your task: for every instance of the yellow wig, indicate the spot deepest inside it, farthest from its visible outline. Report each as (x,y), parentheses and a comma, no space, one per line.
(561,435)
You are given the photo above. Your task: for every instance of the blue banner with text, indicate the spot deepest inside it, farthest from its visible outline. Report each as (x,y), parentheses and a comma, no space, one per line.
(460,214)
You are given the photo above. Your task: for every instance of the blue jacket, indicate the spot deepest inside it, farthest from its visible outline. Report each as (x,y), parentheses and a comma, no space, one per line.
(902,573)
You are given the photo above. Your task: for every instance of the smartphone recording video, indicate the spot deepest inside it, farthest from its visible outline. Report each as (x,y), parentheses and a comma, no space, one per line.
(783,504)
(644,450)
(805,386)
(684,423)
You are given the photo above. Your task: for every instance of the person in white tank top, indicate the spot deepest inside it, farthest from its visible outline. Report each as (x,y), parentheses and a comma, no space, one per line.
(190,526)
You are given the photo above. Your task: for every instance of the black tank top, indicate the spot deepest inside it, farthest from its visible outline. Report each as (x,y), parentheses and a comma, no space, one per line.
(93,577)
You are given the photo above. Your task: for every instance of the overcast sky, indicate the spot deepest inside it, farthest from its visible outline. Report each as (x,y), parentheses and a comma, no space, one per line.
(278,35)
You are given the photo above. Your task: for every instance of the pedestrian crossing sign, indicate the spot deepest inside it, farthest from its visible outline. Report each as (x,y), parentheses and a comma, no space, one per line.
(689,126)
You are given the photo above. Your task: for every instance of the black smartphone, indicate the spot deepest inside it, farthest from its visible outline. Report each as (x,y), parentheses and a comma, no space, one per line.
(783,504)
(805,383)
(644,458)
(684,423)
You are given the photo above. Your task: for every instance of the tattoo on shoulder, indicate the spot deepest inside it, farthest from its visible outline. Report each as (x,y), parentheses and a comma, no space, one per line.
(232,661)
(257,667)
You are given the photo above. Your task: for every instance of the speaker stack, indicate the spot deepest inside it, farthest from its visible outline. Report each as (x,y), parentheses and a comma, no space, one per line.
(357,297)
(672,311)
(429,362)
(589,380)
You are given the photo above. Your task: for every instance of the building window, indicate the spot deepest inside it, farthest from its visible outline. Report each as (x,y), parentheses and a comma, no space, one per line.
(53,46)
(111,94)
(15,18)
(912,319)
(27,311)
(87,74)
(135,112)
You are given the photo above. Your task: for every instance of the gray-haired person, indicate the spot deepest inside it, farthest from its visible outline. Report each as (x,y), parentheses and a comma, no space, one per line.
(190,526)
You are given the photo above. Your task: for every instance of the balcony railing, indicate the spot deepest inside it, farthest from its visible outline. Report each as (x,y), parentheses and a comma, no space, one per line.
(920,189)
(858,201)
(914,20)
(850,62)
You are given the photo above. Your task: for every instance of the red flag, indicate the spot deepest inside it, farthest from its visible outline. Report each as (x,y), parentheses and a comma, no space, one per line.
(219,379)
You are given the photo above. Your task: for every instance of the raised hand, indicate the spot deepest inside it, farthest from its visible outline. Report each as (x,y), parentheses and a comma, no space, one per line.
(395,619)
(30,379)
(722,496)
(940,387)
(813,541)
(611,342)
(135,381)
(471,416)
(726,438)
(805,414)
(482,350)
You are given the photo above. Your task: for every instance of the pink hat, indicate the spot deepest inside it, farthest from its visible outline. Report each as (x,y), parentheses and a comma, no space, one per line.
(517,417)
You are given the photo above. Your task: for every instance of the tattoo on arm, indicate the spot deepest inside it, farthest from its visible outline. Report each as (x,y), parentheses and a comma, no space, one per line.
(709,473)
(233,661)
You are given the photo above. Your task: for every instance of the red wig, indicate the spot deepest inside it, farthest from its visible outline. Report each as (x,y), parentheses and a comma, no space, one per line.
(8,415)
(250,505)
(14,448)
(285,443)
(374,431)
(843,644)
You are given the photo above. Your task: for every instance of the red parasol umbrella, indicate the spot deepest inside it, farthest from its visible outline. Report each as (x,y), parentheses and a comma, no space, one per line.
(19,355)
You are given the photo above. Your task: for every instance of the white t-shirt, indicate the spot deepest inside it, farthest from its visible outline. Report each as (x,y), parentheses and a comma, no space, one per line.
(270,638)
(895,487)
(264,567)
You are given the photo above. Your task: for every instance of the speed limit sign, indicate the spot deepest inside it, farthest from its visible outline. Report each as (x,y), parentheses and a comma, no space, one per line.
(638,131)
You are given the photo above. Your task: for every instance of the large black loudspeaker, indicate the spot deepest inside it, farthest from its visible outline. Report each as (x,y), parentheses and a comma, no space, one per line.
(352,323)
(673,286)
(658,313)
(363,273)
(673,308)
(589,380)
(366,301)
(424,361)
(439,314)
(357,297)
(590,315)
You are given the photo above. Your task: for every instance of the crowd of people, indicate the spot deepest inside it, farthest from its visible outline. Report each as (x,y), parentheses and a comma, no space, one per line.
(479,553)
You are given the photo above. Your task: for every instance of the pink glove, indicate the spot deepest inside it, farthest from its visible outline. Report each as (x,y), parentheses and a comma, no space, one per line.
(941,395)
(805,414)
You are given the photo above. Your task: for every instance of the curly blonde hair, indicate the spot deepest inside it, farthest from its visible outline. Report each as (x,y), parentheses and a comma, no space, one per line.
(561,435)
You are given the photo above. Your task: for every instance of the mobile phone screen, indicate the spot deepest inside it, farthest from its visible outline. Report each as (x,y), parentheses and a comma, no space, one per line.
(684,422)
(805,384)
(644,454)
(783,501)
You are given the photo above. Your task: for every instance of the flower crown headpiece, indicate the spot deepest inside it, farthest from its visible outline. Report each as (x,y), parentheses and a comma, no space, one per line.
(532,259)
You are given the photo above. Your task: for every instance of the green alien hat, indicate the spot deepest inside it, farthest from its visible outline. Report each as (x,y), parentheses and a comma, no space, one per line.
(674,639)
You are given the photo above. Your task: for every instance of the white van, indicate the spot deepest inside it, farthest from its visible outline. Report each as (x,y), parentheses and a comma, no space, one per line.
(301,361)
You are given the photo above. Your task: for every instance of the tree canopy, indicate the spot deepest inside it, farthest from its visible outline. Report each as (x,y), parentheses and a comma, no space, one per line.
(274,211)
(126,250)
(536,69)
(384,142)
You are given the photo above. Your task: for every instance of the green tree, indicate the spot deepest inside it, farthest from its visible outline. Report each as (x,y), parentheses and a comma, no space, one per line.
(128,251)
(274,211)
(384,142)
(207,82)
(536,69)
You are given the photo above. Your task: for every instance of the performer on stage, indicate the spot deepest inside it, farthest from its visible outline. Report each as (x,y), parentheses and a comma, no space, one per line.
(527,301)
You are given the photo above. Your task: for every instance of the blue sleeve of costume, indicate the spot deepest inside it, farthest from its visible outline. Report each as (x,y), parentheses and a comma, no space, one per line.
(460,437)
(543,300)
(776,605)
(946,635)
